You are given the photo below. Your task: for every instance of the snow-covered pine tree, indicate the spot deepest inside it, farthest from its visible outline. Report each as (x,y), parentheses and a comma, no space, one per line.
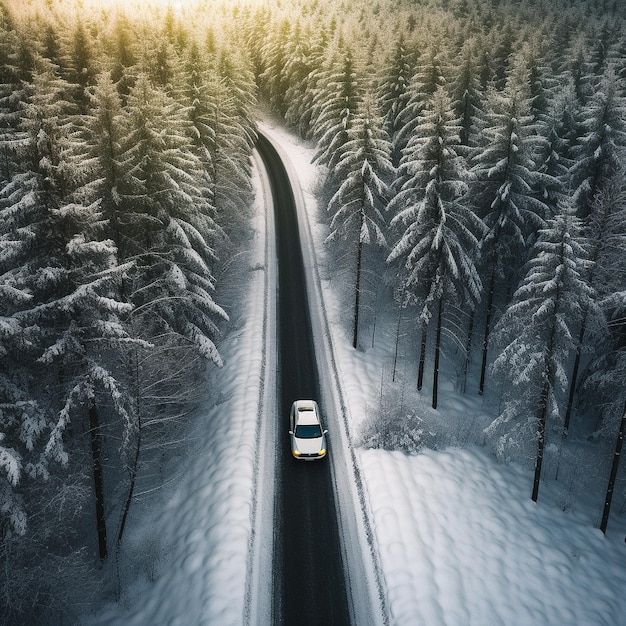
(234,96)
(197,92)
(81,66)
(606,235)
(166,222)
(159,62)
(339,93)
(439,244)
(167,230)
(276,54)
(467,96)
(365,168)
(428,75)
(576,61)
(601,150)
(11,94)
(506,189)
(228,136)
(124,55)
(303,68)
(554,157)
(536,332)
(393,90)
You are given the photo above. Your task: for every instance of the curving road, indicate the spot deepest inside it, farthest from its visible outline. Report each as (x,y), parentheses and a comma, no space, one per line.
(308,578)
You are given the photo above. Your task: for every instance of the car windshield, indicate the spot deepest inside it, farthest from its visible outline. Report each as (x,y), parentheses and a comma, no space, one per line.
(308,431)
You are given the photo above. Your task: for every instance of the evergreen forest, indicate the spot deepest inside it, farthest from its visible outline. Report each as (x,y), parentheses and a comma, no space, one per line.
(474,156)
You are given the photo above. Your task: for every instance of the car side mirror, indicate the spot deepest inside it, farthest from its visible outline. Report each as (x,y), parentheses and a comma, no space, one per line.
(325,432)
(291,432)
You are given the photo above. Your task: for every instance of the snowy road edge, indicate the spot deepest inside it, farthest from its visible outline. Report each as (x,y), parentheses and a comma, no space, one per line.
(258,593)
(352,525)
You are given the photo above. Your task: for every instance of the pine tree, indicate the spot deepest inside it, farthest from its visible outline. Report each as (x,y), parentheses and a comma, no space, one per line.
(559,125)
(339,95)
(227,100)
(394,92)
(365,167)
(606,236)
(467,96)
(600,151)
(276,54)
(507,183)
(537,330)
(439,244)
(81,66)
(304,66)
(427,76)
(166,222)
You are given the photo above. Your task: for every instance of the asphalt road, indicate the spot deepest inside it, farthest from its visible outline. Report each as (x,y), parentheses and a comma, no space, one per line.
(308,579)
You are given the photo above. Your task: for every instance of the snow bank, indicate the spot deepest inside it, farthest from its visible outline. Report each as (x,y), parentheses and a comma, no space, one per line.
(461,542)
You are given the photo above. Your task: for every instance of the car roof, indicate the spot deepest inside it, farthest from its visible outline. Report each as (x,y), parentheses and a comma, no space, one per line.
(306,412)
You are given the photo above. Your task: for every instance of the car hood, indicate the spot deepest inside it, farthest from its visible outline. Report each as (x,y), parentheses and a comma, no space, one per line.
(310,446)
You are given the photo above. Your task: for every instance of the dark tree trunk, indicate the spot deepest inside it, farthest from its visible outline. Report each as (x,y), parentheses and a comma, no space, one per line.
(395,354)
(420,370)
(134,465)
(541,438)
(357,295)
(483,367)
(132,470)
(468,351)
(613,475)
(543,410)
(437,352)
(574,378)
(96,456)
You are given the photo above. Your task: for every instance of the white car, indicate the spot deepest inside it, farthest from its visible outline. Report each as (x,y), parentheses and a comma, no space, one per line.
(308,439)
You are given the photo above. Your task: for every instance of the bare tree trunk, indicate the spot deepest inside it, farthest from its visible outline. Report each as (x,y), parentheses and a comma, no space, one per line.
(420,371)
(395,354)
(574,378)
(133,469)
(544,399)
(483,367)
(134,465)
(437,352)
(613,475)
(541,438)
(468,349)
(357,295)
(96,456)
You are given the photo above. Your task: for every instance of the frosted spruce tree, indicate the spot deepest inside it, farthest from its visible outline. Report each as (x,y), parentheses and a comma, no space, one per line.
(467,96)
(304,68)
(506,190)
(393,89)
(166,222)
(339,94)
(439,244)
(606,361)
(230,101)
(276,54)
(600,151)
(427,76)
(365,168)
(536,333)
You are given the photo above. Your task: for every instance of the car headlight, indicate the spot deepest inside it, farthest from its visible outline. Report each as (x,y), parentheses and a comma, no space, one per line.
(322,452)
(296,452)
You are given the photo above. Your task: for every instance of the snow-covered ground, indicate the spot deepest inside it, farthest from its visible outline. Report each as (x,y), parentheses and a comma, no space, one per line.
(454,537)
